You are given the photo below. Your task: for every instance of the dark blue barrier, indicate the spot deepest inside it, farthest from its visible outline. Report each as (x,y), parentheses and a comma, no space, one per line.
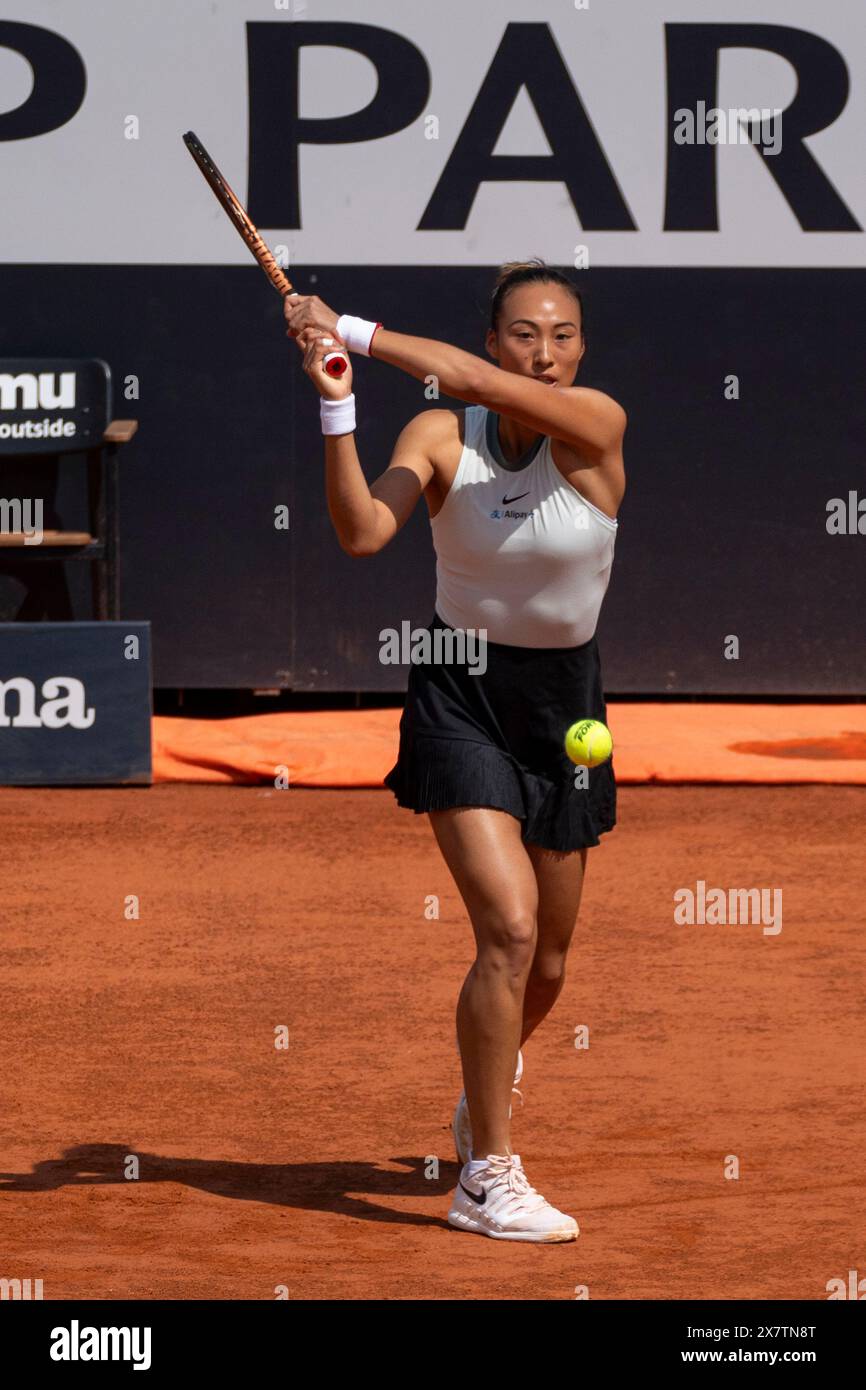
(75,703)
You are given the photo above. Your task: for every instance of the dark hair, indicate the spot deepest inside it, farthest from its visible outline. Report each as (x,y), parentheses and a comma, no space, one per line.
(534,271)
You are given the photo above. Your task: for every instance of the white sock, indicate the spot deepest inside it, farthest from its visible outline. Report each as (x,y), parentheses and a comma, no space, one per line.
(476,1164)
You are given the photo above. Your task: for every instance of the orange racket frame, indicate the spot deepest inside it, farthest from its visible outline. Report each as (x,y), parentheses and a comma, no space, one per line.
(334,363)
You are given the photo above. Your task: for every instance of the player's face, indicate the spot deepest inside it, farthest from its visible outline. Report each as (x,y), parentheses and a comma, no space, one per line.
(539,334)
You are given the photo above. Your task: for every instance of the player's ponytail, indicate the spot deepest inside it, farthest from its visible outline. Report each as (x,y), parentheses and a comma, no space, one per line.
(534,271)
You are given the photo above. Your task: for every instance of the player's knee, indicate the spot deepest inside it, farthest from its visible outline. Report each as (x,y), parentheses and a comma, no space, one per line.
(547,975)
(509,940)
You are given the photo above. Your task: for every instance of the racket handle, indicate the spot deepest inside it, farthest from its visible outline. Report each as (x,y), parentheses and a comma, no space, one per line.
(334,363)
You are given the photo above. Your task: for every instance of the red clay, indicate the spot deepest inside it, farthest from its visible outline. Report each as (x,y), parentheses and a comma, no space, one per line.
(306,1167)
(848,745)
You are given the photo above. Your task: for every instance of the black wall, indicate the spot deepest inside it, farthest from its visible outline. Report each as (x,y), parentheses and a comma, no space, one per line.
(722,531)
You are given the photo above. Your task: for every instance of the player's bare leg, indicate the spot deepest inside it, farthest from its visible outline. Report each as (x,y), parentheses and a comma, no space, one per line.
(495,877)
(560,879)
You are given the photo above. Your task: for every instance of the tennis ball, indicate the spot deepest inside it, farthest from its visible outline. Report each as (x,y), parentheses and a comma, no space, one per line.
(588,743)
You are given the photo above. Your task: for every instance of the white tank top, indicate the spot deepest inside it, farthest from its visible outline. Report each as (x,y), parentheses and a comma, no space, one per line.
(519,551)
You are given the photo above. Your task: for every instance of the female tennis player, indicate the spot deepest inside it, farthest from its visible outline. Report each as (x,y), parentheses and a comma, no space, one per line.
(523,488)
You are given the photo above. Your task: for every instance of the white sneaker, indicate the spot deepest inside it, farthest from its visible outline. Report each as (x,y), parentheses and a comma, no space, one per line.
(498,1201)
(461,1125)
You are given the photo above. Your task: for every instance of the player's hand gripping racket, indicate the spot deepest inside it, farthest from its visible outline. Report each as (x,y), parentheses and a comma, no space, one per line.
(334,363)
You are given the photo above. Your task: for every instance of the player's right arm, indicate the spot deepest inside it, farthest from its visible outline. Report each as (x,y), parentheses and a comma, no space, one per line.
(364,517)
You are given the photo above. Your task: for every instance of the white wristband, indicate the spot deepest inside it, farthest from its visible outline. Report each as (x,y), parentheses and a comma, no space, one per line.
(338,417)
(356,333)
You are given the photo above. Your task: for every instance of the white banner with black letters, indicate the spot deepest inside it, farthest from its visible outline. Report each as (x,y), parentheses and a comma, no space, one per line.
(637,133)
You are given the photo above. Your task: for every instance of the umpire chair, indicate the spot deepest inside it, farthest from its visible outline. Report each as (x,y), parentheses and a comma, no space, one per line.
(51,409)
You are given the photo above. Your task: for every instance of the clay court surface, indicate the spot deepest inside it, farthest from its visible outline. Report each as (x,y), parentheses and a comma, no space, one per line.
(306,1167)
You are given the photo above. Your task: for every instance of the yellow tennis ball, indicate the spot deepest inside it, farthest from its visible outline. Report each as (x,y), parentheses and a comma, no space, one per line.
(588,743)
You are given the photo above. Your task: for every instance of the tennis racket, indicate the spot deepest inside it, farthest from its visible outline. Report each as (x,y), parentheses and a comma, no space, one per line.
(334,363)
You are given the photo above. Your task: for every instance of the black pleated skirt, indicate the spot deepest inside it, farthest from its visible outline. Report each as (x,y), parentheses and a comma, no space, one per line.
(498,739)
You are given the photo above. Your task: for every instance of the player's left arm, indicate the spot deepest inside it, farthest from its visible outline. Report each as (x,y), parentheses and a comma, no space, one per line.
(585,419)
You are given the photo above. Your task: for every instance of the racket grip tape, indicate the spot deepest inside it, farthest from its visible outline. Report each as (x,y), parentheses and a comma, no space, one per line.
(334,364)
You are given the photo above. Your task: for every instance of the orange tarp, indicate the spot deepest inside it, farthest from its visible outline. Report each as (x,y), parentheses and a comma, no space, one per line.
(653,742)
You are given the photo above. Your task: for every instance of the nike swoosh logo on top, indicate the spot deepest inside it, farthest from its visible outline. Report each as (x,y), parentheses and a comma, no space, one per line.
(506,500)
(474,1195)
